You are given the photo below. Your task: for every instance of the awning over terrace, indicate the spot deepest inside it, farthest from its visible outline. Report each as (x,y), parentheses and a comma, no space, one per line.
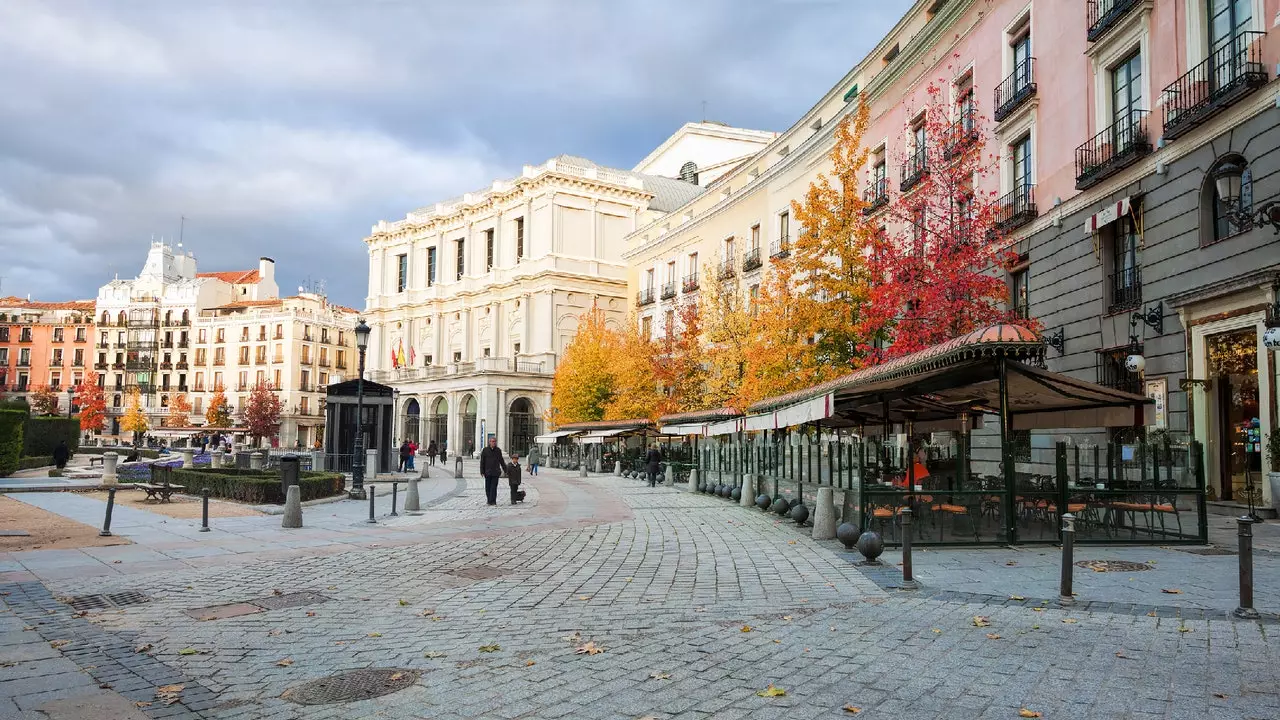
(553,436)
(598,436)
(937,386)
(696,422)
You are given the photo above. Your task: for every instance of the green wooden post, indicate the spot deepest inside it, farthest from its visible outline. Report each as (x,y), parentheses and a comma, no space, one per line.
(1006,454)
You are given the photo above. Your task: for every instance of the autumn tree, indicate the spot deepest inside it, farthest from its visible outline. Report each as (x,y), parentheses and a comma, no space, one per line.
(781,356)
(179,410)
(679,364)
(134,420)
(939,263)
(43,400)
(218,414)
(637,393)
(828,256)
(727,334)
(92,401)
(583,384)
(262,411)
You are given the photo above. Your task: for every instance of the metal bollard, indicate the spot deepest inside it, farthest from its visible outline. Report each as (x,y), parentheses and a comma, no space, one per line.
(908,578)
(1065,595)
(111,504)
(204,510)
(1244,531)
(370,520)
(394,485)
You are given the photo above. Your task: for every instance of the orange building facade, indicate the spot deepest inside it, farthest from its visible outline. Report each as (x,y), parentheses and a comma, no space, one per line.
(44,344)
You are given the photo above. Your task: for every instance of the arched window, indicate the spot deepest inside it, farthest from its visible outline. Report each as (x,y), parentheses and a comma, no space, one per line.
(106,318)
(522,426)
(1214,225)
(438,422)
(689,173)
(412,416)
(467,423)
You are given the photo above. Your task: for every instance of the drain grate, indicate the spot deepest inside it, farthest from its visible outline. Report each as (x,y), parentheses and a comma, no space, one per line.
(352,686)
(1209,551)
(1112,565)
(480,572)
(290,600)
(108,600)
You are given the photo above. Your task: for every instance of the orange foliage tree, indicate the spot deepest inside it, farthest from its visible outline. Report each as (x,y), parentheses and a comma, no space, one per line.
(218,414)
(92,402)
(679,362)
(179,411)
(583,384)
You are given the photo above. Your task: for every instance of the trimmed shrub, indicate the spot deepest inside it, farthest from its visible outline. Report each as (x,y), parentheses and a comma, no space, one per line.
(121,451)
(255,487)
(15,403)
(42,434)
(11,427)
(29,463)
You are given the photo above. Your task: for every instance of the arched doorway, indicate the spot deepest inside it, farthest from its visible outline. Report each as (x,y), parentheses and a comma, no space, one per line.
(412,414)
(522,426)
(467,426)
(438,423)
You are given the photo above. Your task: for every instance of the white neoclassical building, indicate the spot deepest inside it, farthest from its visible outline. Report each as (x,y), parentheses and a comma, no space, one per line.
(473,300)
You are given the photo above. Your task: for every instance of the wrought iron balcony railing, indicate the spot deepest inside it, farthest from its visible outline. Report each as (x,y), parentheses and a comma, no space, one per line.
(781,247)
(645,297)
(1125,288)
(690,283)
(751,260)
(1016,208)
(963,133)
(1016,89)
(668,290)
(726,269)
(1105,14)
(876,195)
(1113,149)
(1230,73)
(915,168)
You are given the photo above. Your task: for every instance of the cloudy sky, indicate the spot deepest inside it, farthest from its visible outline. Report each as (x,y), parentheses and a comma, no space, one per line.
(287,128)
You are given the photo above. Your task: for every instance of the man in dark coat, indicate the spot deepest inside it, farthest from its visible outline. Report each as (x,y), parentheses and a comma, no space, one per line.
(61,454)
(492,467)
(405,453)
(652,461)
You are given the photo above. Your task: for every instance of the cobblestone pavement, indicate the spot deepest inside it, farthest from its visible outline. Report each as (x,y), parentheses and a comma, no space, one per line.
(699,606)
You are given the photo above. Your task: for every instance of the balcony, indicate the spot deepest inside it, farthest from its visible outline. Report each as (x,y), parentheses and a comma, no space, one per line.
(262,360)
(80,339)
(182,388)
(1021,310)
(1112,372)
(645,297)
(166,366)
(1016,89)
(690,283)
(100,366)
(278,336)
(1125,289)
(24,338)
(142,345)
(118,387)
(139,365)
(915,168)
(751,261)
(962,133)
(24,363)
(102,345)
(181,366)
(177,323)
(144,388)
(325,363)
(1113,149)
(167,345)
(780,248)
(876,195)
(1106,14)
(1017,208)
(117,366)
(1228,75)
(340,366)
(184,344)
(668,290)
(726,269)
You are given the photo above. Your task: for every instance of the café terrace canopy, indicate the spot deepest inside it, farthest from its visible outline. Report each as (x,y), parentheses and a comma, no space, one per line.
(696,422)
(967,375)
(594,432)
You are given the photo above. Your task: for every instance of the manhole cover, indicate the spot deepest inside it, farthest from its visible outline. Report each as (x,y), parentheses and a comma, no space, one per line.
(480,572)
(1112,566)
(1209,551)
(290,600)
(108,600)
(352,686)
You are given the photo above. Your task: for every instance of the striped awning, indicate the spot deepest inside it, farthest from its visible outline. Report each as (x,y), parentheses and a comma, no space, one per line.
(1106,216)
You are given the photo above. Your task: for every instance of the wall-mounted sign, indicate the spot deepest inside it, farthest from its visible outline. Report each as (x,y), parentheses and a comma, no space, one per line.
(1158,391)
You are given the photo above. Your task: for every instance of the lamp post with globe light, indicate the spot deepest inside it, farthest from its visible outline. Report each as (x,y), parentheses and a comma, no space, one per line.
(357,449)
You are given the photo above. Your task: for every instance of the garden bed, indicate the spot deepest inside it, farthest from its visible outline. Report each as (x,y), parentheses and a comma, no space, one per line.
(256,487)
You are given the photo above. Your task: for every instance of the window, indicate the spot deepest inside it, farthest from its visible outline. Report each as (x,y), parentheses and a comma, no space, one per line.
(306,354)
(279,332)
(428,359)
(341,361)
(693,266)
(57,335)
(262,332)
(242,381)
(217,382)
(80,334)
(784,226)
(199,382)
(1126,276)
(457,356)
(1020,151)
(1214,224)
(57,358)
(244,356)
(197,407)
(1018,292)
(1126,92)
(753,296)
(4,356)
(221,335)
(519,239)
(276,375)
(669,322)
(755,237)
(671,271)
(485,352)
(1113,373)
(201,337)
(244,334)
(462,258)
(55,380)
(1021,47)
(646,328)
(648,279)
(201,357)
(402,272)
(488,250)
(964,101)
(24,335)
(260,355)
(431,266)
(324,357)
(1227,19)
(260,377)
(78,358)
(219,356)
(689,172)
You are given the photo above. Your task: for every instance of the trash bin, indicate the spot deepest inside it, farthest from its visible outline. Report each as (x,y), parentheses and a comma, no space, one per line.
(288,473)
(242,461)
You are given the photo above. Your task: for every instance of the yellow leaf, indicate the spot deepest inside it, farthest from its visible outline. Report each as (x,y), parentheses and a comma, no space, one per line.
(1029,713)
(187,651)
(746,628)
(311,613)
(490,648)
(851,709)
(58,643)
(169,690)
(142,704)
(584,597)
(396,676)
(771,691)
(285,662)
(981,621)
(1019,598)
(937,631)
(1069,621)
(433,654)
(529,663)
(786,617)
(403,602)
(428,612)
(660,676)
(777,642)
(589,649)
(143,648)
(375,634)
(1037,609)
(992,636)
(1184,629)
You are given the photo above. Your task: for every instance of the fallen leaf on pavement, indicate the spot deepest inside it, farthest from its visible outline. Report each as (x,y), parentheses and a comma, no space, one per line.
(1183,629)
(273,633)
(584,597)
(188,651)
(1122,656)
(529,663)
(786,617)
(433,654)
(79,613)
(851,709)
(1171,591)
(992,636)
(771,691)
(1011,563)
(1070,621)
(142,704)
(277,592)
(169,690)
(937,631)
(403,602)
(428,612)
(778,642)
(1029,713)
(58,643)
(490,648)
(143,648)
(747,628)
(1019,598)
(659,676)
(981,621)
(116,562)
(1037,609)
(396,676)
(311,613)
(574,638)
(1220,696)
(285,662)
(589,649)
(791,542)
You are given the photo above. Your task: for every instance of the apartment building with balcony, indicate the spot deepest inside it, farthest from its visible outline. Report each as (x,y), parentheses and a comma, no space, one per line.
(473,300)
(1111,121)
(44,344)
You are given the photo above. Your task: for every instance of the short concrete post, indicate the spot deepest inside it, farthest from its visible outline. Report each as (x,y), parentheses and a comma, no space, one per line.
(617,468)
(424,473)
(599,465)
(693,481)
(204,510)
(292,508)
(582,469)
(370,464)
(188,458)
(215,459)
(109,468)
(371,493)
(748,498)
(824,515)
(411,502)
(257,460)
(317,460)
(106,521)
(1065,595)
(457,467)
(671,476)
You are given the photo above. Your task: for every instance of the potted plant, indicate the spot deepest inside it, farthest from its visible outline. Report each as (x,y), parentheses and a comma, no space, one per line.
(1273,477)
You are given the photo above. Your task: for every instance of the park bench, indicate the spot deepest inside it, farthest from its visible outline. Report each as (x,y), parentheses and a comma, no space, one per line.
(95,460)
(160,492)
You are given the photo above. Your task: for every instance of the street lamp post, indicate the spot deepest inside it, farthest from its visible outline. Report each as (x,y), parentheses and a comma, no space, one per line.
(1229,182)
(357,456)
(71,395)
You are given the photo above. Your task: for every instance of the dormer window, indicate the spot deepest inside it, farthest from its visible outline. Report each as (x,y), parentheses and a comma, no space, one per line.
(689,173)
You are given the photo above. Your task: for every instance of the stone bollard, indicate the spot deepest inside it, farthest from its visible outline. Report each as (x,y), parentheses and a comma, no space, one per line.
(671,476)
(317,460)
(693,480)
(617,468)
(457,467)
(599,465)
(215,459)
(370,463)
(292,508)
(824,515)
(188,458)
(257,460)
(411,502)
(748,497)
(424,473)
(109,468)
(582,469)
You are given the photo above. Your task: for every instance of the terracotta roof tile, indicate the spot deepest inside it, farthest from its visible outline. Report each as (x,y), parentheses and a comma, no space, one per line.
(235,277)
(238,304)
(17,302)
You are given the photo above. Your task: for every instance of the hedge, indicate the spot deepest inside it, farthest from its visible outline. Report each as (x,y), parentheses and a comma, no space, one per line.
(11,422)
(42,434)
(256,488)
(122,451)
(38,461)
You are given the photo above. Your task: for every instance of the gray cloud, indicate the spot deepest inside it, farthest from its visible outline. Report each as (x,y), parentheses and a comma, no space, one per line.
(287,128)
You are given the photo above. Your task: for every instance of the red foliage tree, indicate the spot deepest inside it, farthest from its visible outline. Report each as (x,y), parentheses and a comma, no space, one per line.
(938,268)
(262,411)
(92,402)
